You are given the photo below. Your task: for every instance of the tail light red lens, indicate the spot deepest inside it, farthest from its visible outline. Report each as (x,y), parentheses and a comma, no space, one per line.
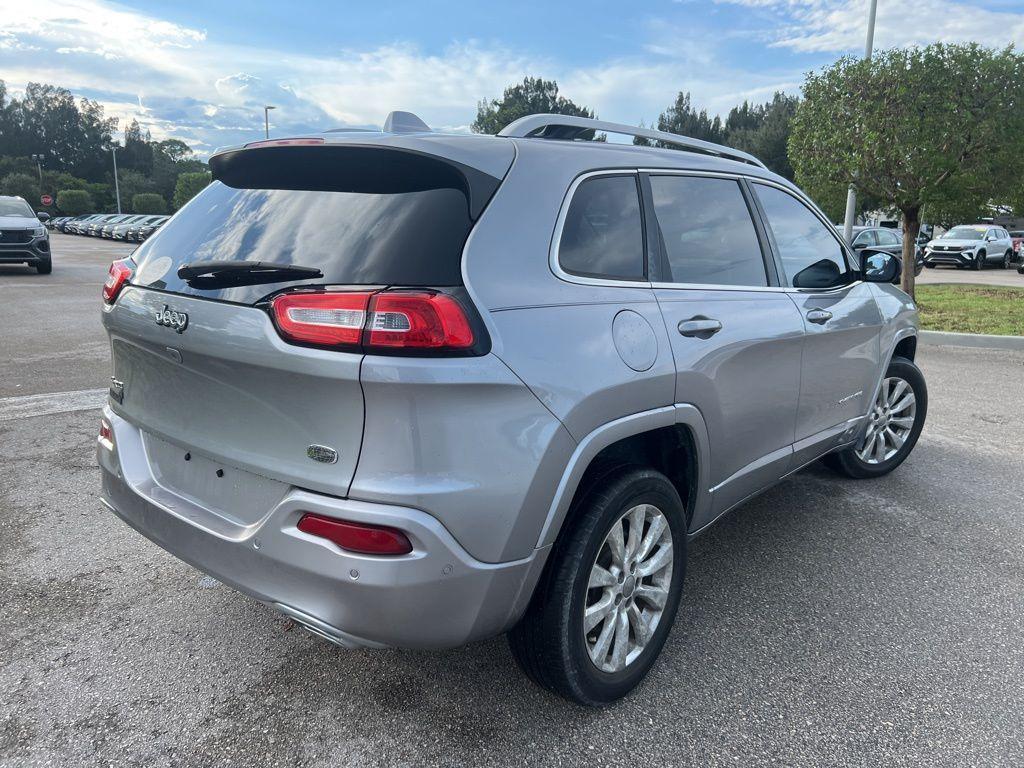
(357,537)
(324,319)
(376,321)
(417,320)
(119,273)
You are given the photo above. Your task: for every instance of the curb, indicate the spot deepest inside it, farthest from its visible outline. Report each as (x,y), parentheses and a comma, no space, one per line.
(978,340)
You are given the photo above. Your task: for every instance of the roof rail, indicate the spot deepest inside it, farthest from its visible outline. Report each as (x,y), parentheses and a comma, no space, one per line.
(571,127)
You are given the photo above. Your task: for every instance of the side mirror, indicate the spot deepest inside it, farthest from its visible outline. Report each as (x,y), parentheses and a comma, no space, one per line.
(43,215)
(990,238)
(859,246)
(879,266)
(820,274)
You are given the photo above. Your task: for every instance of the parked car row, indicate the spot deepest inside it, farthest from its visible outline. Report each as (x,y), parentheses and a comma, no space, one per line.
(113,226)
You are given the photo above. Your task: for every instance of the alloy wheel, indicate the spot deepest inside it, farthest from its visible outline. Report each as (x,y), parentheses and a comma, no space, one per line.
(628,588)
(890,421)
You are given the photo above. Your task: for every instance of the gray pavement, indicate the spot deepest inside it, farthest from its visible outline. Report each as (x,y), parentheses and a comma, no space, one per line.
(990,276)
(828,622)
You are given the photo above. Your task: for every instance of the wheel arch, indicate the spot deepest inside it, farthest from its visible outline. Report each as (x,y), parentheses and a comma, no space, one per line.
(672,439)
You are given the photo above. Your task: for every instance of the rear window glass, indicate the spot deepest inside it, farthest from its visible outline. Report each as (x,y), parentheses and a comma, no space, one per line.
(409,238)
(603,233)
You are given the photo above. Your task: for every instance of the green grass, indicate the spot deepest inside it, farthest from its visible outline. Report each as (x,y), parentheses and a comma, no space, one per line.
(971,309)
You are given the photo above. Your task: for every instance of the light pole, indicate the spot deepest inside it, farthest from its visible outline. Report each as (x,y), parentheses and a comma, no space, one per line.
(117,187)
(851,193)
(266,119)
(39,165)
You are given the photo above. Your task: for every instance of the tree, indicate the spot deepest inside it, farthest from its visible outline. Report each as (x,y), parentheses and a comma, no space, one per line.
(137,153)
(188,186)
(763,131)
(923,129)
(148,202)
(131,183)
(21,185)
(683,119)
(171,158)
(530,97)
(74,202)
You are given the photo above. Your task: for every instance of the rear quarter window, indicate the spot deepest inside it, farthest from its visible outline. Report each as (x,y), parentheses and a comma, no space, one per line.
(602,234)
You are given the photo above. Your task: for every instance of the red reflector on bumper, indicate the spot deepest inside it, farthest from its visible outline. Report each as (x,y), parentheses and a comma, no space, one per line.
(357,537)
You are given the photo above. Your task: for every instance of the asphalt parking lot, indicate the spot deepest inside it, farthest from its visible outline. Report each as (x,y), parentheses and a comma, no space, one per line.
(828,622)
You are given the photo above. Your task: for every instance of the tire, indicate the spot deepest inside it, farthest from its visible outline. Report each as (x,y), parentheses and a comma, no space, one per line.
(852,463)
(1006,259)
(979,261)
(550,643)
(45,267)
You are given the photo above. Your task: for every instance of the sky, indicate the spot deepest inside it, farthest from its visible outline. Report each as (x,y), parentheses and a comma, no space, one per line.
(202,70)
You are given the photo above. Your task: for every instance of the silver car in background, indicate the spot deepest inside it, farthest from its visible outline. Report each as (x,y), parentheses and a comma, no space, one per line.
(414,389)
(971,245)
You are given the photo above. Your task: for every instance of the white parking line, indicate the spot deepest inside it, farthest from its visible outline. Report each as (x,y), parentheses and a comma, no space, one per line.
(26,406)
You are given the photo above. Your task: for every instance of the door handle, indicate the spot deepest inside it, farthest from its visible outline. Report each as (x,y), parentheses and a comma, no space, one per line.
(700,327)
(819,316)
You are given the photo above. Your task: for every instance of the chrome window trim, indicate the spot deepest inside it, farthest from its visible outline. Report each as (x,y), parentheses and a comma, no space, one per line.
(556,238)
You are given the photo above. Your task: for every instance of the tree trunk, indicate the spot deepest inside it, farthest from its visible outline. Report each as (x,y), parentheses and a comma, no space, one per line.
(911,226)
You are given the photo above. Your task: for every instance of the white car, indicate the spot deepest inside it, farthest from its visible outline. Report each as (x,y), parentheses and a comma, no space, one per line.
(971,245)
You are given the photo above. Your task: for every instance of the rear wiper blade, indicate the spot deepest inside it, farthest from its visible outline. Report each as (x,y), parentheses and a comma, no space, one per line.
(225,274)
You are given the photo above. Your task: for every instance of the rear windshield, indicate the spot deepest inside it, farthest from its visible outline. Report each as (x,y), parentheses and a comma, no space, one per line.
(407,237)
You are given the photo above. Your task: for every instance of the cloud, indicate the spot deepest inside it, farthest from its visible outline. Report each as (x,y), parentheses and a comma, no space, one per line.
(834,26)
(182,82)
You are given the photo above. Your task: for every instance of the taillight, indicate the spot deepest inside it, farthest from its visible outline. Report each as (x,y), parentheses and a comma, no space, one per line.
(381,321)
(117,276)
(417,320)
(363,538)
(324,319)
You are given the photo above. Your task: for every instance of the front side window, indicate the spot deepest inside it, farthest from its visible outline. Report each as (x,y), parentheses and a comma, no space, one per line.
(811,255)
(602,235)
(865,239)
(708,236)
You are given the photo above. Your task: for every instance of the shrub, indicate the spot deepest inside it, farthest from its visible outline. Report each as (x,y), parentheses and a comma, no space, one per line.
(74,202)
(149,202)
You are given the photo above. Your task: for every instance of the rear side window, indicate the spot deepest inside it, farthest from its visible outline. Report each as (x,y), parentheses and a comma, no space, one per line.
(392,219)
(885,237)
(811,255)
(707,232)
(602,235)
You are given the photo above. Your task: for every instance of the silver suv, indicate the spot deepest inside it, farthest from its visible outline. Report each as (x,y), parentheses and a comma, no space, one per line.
(413,389)
(971,245)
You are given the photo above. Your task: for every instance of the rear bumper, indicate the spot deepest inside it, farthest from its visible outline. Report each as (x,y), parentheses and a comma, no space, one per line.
(438,596)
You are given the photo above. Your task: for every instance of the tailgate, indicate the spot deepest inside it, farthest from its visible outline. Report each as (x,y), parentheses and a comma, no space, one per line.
(228,388)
